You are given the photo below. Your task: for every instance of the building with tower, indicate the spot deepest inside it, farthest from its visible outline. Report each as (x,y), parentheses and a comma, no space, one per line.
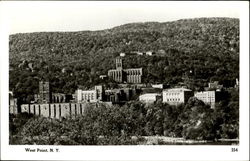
(121,75)
(44,92)
(46,95)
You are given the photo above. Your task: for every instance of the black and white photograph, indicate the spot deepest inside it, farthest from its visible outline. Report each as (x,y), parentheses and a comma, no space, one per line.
(79,78)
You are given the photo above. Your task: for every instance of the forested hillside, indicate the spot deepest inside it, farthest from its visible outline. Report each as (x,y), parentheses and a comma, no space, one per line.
(209,47)
(114,125)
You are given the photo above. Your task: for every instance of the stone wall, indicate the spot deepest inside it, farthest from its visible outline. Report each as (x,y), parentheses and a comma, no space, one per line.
(56,110)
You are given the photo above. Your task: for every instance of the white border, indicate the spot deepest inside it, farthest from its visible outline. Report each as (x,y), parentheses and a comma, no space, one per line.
(172,152)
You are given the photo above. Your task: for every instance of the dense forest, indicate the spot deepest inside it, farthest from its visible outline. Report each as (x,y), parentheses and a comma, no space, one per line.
(126,125)
(191,51)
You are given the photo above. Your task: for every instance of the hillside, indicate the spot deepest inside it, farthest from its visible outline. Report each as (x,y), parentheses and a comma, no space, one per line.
(208,46)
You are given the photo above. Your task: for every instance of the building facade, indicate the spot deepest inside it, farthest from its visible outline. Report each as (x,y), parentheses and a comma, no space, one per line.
(209,97)
(44,92)
(176,96)
(99,94)
(119,95)
(94,95)
(125,75)
(60,98)
(12,104)
(149,97)
(59,110)
(46,95)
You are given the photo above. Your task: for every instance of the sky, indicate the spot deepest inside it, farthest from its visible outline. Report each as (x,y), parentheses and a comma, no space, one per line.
(21,17)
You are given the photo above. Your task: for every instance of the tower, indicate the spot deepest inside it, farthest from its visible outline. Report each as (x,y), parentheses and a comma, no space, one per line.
(119,70)
(44,92)
(99,92)
(118,62)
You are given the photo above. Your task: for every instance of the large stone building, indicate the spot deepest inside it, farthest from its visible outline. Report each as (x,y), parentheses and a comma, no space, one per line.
(60,98)
(209,97)
(125,75)
(58,110)
(94,95)
(99,94)
(46,95)
(120,95)
(176,96)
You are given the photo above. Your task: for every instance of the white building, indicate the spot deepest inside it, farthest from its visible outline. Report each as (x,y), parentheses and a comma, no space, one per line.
(149,97)
(161,86)
(150,53)
(176,96)
(208,97)
(89,95)
(122,54)
(86,95)
(103,76)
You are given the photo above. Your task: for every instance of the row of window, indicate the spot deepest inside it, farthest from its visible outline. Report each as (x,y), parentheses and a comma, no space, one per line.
(205,97)
(205,94)
(173,99)
(88,96)
(173,94)
(133,79)
(134,72)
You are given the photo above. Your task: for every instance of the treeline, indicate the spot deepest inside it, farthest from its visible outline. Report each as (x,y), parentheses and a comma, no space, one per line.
(115,125)
(209,47)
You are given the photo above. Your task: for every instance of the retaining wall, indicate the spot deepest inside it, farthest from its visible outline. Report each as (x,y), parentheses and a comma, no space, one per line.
(56,110)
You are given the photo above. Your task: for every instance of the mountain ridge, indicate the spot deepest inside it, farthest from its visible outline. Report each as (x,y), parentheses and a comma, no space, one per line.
(136,23)
(209,45)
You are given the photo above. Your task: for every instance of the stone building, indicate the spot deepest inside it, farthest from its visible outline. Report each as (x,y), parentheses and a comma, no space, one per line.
(44,92)
(209,97)
(99,94)
(12,104)
(94,95)
(176,96)
(149,97)
(57,110)
(119,95)
(125,75)
(161,86)
(46,95)
(60,98)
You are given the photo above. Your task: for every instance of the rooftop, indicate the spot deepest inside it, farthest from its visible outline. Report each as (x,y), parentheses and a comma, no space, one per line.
(177,90)
(150,94)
